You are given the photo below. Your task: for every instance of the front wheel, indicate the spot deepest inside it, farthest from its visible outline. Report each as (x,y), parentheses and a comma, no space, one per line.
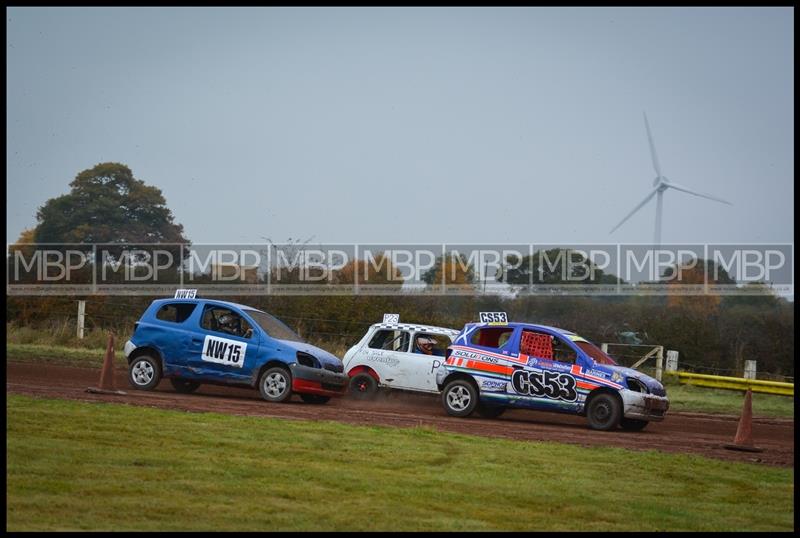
(460,397)
(604,412)
(275,384)
(314,398)
(184,385)
(144,373)
(632,424)
(363,386)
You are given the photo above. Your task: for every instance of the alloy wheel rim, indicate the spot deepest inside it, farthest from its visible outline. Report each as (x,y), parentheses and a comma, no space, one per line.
(275,384)
(602,412)
(458,398)
(143,373)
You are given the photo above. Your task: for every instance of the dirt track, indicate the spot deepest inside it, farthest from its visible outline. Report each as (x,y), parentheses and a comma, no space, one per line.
(680,432)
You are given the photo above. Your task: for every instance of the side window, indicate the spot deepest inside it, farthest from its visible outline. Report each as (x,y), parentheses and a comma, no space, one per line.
(175,312)
(545,346)
(224,320)
(495,337)
(391,340)
(430,344)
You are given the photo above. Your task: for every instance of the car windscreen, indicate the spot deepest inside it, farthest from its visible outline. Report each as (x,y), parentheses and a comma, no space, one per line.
(273,326)
(595,353)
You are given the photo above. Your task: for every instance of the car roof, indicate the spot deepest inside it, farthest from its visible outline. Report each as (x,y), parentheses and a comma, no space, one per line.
(415,327)
(524,325)
(204,300)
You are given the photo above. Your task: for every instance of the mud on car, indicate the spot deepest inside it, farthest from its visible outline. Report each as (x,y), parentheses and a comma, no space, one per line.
(196,341)
(397,356)
(494,366)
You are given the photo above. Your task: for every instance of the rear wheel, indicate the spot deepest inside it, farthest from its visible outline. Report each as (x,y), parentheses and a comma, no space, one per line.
(604,412)
(460,397)
(363,386)
(275,384)
(144,372)
(632,424)
(490,411)
(184,385)
(315,398)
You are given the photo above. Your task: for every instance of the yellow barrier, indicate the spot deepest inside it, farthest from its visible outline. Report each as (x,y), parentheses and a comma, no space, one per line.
(735,383)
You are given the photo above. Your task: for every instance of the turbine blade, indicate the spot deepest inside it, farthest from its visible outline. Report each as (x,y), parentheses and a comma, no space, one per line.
(700,194)
(652,147)
(635,209)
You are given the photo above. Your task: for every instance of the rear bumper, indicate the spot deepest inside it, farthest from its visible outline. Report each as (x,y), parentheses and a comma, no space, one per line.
(318,381)
(644,406)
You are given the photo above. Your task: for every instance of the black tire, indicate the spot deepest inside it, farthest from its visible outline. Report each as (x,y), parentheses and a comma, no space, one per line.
(184,385)
(633,424)
(460,398)
(363,386)
(490,411)
(604,412)
(144,372)
(275,384)
(315,399)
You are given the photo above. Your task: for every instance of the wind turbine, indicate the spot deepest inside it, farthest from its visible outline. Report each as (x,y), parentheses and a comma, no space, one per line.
(661,184)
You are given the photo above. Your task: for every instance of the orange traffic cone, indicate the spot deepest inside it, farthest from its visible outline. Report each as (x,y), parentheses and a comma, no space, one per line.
(744,433)
(107,373)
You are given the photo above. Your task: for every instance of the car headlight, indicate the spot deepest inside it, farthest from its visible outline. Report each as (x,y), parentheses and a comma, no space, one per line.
(637,386)
(306,359)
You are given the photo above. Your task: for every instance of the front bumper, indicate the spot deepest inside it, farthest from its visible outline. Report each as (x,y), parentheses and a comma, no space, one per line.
(128,349)
(318,381)
(641,406)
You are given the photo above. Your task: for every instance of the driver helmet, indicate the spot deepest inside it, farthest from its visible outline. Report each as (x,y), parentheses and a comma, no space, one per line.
(228,322)
(424,342)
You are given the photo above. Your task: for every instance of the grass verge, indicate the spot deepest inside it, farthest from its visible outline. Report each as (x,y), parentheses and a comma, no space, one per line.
(62,355)
(80,466)
(690,398)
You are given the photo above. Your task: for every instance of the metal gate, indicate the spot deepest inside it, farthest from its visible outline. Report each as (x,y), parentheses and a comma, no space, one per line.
(637,354)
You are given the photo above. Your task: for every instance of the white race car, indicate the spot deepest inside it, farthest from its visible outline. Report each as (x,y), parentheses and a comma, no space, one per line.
(398,356)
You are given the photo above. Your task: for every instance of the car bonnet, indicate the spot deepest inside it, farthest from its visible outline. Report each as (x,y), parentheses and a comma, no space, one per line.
(650,382)
(324,357)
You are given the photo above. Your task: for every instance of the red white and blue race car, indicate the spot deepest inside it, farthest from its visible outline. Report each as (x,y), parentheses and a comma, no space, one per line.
(495,365)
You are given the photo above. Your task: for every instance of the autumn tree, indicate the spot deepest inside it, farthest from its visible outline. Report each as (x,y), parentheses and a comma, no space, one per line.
(555,266)
(694,273)
(379,270)
(452,268)
(106,204)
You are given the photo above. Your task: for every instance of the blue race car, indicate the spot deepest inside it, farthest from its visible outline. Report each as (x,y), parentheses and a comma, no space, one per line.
(196,341)
(493,366)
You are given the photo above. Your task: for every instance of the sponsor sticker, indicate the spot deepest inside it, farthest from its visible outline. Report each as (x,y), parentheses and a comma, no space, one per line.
(389,361)
(493,385)
(224,351)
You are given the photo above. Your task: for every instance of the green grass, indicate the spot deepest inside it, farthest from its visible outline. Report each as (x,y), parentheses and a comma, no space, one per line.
(62,355)
(83,466)
(690,398)
(62,333)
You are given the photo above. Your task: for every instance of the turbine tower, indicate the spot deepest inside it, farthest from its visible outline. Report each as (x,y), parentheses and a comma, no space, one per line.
(661,184)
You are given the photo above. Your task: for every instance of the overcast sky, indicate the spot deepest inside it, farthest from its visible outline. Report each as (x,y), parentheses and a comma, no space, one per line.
(512,125)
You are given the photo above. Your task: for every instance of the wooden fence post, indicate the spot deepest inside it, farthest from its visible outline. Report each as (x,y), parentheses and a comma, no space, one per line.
(81,318)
